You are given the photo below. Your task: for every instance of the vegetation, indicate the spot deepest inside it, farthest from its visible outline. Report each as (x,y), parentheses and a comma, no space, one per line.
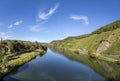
(110,27)
(23,58)
(18,46)
(110,71)
(14,53)
(91,42)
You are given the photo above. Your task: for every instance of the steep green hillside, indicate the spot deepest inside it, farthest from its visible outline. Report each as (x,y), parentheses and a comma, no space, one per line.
(105,40)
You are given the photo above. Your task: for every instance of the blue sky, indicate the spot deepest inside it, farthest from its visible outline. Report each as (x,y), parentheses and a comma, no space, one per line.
(47,20)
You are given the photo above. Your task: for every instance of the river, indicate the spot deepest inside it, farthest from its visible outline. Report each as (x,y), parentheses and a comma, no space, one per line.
(64,66)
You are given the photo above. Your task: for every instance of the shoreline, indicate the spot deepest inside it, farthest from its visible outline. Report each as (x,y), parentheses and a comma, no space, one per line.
(23,58)
(99,57)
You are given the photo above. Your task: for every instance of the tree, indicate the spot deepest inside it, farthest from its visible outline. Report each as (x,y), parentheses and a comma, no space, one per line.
(36,44)
(1,44)
(10,47)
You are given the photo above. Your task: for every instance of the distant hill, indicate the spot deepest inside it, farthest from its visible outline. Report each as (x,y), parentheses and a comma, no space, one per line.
(105,40)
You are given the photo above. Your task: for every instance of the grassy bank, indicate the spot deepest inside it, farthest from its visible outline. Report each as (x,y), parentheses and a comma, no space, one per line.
(20,60)
(108,70)
(23,58)
(92,42)
(100,57)
(103,43)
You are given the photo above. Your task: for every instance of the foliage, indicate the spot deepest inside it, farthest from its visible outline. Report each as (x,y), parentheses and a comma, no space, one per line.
(114,49)
(91,42)
(23,58)
(0,46)
(19,52)
(109,27)
(14,46)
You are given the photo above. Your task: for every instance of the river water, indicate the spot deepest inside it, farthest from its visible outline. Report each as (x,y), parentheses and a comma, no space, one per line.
(61,66)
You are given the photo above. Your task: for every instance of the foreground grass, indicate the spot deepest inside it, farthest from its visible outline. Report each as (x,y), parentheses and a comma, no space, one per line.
(20,60)
(23,58)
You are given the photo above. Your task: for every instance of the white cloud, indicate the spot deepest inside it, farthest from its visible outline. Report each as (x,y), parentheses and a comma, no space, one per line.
(78,17)
(10,26)
(44,15)
(17,23)
(6,35)
(36,28)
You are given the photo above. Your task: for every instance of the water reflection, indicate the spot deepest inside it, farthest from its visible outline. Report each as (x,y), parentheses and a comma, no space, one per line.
(108,70)
(57,65)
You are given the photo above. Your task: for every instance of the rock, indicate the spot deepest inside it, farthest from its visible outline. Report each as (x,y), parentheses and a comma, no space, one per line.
(119,37)
(83,51)
(102,47)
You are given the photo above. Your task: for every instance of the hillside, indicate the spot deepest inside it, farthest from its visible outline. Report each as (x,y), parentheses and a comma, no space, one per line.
(103,41)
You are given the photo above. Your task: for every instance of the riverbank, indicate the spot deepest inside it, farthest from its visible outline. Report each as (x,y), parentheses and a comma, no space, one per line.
(109,70)
(20,60)
(100,57)
(103,43)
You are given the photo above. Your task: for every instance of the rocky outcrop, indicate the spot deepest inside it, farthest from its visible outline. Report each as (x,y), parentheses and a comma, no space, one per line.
(119,37)
(102,47)
(83,51)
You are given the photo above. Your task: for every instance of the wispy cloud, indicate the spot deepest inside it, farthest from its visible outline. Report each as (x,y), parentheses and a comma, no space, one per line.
(17,23)
(37,27)
(10,26)
(44,15)
(78,17)
(6,35)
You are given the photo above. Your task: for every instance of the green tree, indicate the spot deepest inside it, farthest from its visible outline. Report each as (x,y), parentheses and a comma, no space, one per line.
(10,47)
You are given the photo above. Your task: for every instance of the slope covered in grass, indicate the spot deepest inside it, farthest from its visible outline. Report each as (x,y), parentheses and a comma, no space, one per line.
(91,42)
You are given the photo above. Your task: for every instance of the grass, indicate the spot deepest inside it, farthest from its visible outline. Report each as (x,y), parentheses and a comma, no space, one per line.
(101,57)
(92,41)
(114,48)
(23,58)
(20,60)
